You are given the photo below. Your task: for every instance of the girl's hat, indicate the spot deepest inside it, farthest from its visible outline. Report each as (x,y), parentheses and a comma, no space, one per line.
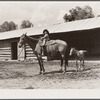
(46,31)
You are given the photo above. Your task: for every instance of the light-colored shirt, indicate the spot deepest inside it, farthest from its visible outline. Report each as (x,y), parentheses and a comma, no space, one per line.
(46,37)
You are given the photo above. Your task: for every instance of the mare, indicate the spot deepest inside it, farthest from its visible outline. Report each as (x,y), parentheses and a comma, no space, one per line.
(57,45)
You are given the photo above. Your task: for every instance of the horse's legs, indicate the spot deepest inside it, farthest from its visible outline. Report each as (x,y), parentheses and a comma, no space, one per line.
(41,64)
(66,62)
(39,58)
(77,64)
(61,64)
(66,56)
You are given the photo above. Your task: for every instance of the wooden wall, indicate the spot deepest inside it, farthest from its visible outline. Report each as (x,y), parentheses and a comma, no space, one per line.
(5,51)
(22,53)
(29,53)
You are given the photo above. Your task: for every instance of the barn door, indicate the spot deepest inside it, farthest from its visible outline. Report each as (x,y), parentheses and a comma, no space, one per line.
(14,50)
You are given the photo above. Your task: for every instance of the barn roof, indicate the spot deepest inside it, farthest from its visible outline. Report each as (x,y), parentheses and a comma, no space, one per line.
(85,24)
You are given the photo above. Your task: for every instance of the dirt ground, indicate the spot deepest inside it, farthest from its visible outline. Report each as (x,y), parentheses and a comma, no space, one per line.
(24,75)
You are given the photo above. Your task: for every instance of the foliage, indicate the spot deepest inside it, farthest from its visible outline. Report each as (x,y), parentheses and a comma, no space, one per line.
(79,13)
(26,24)
(8,26)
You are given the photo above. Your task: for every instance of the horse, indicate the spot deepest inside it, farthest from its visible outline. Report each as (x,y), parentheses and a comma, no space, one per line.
(59,45)
(79,55)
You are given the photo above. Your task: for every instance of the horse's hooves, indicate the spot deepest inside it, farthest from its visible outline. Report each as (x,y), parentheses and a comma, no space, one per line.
(61,71)
(40,73)
(64,72)
(83,69)
(77,70)
(43,73)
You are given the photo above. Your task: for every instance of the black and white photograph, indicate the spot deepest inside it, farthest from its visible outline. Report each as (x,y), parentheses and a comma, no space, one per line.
(49,45)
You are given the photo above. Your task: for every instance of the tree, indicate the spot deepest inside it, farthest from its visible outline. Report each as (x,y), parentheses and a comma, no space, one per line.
(26,24)
(8,26)
(5,26)
(88,12)
(12,25)
(68,18)
(79,13)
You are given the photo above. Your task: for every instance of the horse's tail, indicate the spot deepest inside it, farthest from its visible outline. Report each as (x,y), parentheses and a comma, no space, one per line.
(84,51)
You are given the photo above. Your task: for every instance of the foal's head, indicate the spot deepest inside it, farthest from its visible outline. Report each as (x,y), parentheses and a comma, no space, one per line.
(72,51)
(22,40)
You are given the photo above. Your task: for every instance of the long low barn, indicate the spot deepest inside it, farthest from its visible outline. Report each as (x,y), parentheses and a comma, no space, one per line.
(82,34)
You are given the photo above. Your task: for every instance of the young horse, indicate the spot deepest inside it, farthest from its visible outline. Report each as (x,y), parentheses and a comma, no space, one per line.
(35,44)
(79,55)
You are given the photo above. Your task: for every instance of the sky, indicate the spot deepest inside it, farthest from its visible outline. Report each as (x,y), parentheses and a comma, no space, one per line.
(41,12)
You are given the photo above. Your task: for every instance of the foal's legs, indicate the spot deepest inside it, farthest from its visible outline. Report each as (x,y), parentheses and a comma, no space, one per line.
(77,64)
(80,64)
(83,65)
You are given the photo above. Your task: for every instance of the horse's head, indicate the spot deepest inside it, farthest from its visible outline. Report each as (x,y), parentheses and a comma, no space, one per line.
(72,51)
(22,40)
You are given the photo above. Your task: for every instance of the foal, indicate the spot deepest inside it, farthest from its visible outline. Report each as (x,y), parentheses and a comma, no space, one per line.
(79,55)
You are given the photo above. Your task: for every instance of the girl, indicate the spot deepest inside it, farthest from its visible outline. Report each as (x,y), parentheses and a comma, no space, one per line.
(45,38)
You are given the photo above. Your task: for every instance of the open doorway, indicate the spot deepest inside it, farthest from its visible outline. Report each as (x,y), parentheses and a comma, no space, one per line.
(14,51)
